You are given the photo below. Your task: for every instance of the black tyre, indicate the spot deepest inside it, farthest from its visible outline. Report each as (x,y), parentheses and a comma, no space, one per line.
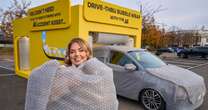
(158,53)
(183,55)
(179,55)
(152,100)
(204,56)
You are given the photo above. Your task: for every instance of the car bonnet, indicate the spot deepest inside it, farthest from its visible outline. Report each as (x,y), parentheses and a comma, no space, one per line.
(193,83)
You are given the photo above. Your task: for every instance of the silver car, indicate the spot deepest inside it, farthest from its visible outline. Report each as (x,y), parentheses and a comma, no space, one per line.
(141,76)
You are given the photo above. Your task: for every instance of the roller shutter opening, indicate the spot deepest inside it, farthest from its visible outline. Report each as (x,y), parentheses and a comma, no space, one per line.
(112,39)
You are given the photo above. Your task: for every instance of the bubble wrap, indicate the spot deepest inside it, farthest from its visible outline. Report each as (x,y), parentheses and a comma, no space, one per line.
(56,87)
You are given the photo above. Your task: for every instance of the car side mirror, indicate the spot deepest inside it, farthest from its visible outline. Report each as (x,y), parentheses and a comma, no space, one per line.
(130,67)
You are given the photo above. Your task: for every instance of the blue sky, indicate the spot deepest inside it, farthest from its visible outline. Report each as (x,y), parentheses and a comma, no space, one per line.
(183,14)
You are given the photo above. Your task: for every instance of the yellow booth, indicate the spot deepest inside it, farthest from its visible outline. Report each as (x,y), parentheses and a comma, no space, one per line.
(44,34)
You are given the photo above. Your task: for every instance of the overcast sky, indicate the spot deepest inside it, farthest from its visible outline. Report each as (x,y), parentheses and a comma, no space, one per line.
(183,14)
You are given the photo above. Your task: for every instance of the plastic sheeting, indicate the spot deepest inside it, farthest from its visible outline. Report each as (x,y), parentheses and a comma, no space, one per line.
(169,80)
(193,83)
(55,87)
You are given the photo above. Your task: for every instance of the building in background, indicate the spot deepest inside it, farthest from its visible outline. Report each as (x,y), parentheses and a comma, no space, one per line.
(204,36)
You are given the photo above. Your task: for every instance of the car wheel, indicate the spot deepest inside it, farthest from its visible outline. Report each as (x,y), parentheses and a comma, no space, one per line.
(206,56)
(158,53)
(179,55)
(184,55)
(152,100)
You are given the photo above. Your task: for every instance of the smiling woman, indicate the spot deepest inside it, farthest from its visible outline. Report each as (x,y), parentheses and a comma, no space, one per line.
(83,83)
(77,52)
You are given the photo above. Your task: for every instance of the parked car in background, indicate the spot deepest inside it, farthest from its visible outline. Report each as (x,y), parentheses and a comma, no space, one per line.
(142,76)
(164,50)
(174,49)
(201,51)
(178,49)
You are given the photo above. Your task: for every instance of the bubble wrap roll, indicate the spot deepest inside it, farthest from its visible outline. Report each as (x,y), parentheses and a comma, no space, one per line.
(87,87)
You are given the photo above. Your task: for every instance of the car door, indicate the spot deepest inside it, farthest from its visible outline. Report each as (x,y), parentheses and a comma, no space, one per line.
(195,51)
(127,82)
(204,52)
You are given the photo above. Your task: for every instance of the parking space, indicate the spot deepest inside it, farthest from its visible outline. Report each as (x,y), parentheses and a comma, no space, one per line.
(7,64)
(13,88)
(7,67)
(190,63)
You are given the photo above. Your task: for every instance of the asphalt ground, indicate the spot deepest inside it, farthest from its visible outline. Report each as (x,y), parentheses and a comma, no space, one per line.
(13,88)
(12,92)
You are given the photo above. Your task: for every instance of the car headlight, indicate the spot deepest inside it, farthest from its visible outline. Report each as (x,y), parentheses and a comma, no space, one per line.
(181,93)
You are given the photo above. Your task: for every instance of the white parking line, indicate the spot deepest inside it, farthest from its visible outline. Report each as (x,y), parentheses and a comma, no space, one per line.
(11,69)
(7,75)
(188,61)
(7,69)
(184,63)
(188,64)
(184,66)
(9,60)
(198,66)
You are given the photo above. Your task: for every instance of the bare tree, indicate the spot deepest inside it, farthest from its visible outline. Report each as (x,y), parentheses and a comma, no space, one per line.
(150,32)
(149,12)
(14,11)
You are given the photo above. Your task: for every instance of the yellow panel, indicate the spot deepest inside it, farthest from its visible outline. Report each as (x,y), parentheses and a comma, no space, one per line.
(86,26)
(103,12)
(57,38)
(53,15)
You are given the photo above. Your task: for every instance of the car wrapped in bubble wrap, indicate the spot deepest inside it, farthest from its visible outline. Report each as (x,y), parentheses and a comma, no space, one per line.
(53,86)
(141,76)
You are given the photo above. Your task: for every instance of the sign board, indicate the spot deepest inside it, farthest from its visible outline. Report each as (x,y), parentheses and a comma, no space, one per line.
(103,12)
(54,15)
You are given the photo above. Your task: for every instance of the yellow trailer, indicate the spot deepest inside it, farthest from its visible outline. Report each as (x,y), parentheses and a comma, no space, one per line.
(44,34)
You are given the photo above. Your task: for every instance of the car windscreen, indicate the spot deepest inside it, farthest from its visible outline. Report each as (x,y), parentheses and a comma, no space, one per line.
(146,59)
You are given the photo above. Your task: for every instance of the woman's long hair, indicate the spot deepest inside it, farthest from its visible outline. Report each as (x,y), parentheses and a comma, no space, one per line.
(83,44)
